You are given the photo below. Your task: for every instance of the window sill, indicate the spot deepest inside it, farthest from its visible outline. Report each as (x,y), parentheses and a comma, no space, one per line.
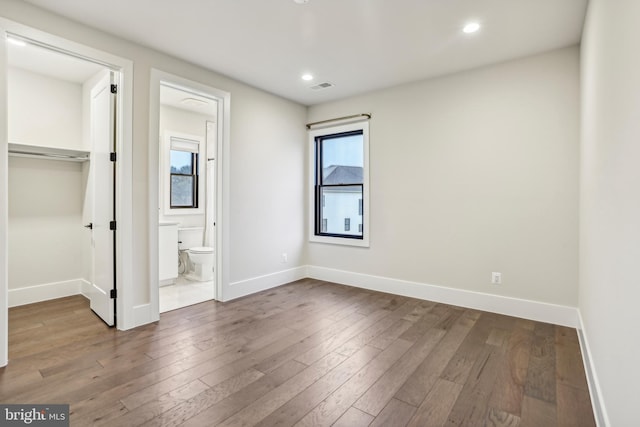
(361,243)
(187,211)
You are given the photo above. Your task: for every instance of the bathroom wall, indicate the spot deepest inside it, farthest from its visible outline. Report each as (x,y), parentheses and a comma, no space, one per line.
(186,122)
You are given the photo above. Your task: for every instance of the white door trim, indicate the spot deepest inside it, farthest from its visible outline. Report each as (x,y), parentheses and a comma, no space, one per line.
(223,98)
(4,204)
(125,302)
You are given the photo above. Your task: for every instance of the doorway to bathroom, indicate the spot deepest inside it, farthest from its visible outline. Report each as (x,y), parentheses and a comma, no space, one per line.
(189,131)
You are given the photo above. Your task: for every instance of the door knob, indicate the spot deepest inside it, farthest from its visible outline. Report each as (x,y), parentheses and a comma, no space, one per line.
(89,226)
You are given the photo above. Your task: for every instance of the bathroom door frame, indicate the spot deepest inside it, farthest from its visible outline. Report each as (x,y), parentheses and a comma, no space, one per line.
(124,213)
(223,99)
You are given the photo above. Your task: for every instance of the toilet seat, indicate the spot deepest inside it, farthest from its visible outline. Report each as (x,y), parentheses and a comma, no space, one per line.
(201,250)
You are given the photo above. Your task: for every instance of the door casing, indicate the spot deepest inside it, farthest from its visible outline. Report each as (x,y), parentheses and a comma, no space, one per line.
(223,100)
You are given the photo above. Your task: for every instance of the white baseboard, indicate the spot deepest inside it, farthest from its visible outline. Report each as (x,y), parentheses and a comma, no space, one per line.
(599,409)
(85,288)
(45,292)
(526,309)
(141,316)
(261,283)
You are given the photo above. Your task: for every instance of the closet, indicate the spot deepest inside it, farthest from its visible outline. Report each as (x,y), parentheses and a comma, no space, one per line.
(54,169)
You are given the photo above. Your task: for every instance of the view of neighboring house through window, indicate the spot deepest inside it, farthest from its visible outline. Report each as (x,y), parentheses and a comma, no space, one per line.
(339,158)
(184,174)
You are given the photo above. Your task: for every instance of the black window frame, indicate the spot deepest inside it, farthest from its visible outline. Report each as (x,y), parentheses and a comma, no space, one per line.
(194,188)
(319,186)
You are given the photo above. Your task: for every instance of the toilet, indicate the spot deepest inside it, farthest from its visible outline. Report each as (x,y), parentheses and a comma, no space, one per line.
(201,257)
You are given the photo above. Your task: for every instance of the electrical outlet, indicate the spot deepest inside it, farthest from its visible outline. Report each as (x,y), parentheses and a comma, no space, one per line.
(284,257)
(496,278)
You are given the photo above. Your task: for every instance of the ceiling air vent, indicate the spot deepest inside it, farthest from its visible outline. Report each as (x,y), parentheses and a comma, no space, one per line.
(322,86)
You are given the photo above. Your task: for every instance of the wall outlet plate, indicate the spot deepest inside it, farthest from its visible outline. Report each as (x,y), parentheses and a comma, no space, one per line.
(496,278)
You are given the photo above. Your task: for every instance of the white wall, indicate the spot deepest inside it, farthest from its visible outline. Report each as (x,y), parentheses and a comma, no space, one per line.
(267,155)
(44,111)
(610,203)
(186,122)
(268,184)
(473,173)
(45,222)
(46,238)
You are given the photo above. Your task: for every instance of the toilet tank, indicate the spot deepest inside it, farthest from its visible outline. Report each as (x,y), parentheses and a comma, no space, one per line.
(190,237)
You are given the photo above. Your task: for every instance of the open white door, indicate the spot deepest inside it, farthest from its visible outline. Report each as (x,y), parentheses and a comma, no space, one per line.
(103,287)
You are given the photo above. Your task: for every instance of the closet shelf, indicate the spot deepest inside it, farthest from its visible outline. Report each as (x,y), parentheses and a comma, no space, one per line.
(52,153)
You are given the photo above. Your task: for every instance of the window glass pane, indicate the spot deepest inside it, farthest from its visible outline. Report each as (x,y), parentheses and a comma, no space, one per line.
(182,190)
(181,162)
(340,209)
(342,159)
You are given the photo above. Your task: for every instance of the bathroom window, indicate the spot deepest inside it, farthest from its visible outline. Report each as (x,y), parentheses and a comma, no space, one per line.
(340,185)
(183,171)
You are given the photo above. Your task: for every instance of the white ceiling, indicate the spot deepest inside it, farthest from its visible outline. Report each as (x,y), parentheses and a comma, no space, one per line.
(178,98)
(358,45)
(50,63)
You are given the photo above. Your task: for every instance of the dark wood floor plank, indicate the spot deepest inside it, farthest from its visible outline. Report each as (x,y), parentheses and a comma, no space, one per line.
(418,385)
(354,418)
(574,407)
(541,375)
(308,353)
(498,418)
(257,410)
(435,408)
(471,407)
(222,410)
(332,408)
(536,413)
(569,367)
(336,341)
(377,397)
(461,363)
(391,334)
(395,414)
(509,388)
(305,401)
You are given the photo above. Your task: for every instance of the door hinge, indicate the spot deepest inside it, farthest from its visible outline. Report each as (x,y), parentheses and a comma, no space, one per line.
(113,157)
(113,294)
(114,88)
(112,225)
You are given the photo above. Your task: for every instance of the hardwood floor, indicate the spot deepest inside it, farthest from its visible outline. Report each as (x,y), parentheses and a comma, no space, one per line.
(309,353)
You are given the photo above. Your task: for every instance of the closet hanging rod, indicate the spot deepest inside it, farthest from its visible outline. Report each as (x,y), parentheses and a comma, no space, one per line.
(355,116)
(47,155)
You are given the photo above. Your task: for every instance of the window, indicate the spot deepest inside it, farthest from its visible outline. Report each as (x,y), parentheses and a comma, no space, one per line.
(182,192)
(184,179)
(339,177)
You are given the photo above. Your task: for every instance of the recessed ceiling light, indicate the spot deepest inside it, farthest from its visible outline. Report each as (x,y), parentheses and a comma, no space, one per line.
(307,77)
(471,27)
(16,42)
